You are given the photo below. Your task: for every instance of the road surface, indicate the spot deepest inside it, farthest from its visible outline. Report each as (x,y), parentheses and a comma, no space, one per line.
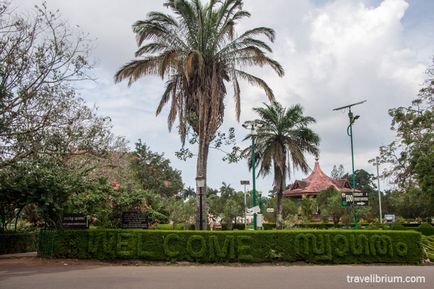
(65,274)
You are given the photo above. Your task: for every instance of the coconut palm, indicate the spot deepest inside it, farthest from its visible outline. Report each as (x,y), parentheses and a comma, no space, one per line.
(197,50)
(283,137)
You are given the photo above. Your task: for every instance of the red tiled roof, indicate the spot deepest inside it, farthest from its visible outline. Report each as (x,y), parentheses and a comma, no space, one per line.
(316,182)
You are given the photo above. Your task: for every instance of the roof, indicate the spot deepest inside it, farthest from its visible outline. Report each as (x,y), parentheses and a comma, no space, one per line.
(316,182)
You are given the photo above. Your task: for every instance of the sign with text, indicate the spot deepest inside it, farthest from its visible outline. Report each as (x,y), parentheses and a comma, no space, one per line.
(360,199)
(134,220)
(75,221)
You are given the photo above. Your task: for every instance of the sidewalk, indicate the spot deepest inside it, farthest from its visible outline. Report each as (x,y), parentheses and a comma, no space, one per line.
(18,255)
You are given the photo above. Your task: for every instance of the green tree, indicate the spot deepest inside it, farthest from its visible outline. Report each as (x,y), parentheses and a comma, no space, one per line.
(329,202)
(308,206)
(154,172)
(197,50)
(410,156)
(43,183)
(282,140)
(180,211)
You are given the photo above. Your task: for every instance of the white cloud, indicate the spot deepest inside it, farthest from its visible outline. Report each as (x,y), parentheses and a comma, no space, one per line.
(334,54)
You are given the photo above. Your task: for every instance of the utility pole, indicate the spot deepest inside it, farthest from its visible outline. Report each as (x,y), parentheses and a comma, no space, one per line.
(377,160)
(350,134)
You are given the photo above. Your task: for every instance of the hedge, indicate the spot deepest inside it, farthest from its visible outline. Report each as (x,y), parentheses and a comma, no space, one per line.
(11,243)
(313,246)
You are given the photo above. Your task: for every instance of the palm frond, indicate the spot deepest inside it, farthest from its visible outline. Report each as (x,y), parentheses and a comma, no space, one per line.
(256,81)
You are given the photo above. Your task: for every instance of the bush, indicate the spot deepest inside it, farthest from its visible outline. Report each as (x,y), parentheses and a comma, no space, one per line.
(269,226)
(17,243)
(313,246)
(426,229)
(169,227)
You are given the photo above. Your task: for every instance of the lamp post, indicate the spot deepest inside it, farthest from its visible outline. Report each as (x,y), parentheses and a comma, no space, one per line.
(377,161)
(245,183)
(353,176)
(200,184)
(253,126)
(350,134)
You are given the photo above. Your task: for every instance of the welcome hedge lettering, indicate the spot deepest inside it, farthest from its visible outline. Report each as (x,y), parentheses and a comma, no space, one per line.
(328,246)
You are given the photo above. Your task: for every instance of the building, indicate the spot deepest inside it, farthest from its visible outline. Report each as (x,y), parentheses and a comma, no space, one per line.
(316,182)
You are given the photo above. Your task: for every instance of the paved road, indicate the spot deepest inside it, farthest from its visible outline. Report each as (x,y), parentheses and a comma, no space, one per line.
(21,274)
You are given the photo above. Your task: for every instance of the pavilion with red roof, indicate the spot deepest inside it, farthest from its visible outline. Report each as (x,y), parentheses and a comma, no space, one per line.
(316,182)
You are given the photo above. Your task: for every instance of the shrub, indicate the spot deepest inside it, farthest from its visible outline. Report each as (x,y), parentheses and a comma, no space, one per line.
(169,227)
(426,229)
(269,226)
(17,243)
(314,246)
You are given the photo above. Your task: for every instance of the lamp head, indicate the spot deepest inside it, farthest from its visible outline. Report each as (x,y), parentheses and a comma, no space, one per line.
(200,182)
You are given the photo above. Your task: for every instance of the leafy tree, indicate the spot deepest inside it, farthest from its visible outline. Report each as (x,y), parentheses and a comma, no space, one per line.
(44,183)
(308,206)
(180,211)
(197,50)
(289,208)
(105,206)
(282,140)
(329,202)
(154,172)
(410,156)
(40,113)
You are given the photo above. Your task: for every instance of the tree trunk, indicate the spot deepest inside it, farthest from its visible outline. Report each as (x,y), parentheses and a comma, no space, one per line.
(280,174)
(279,219)
(201,171)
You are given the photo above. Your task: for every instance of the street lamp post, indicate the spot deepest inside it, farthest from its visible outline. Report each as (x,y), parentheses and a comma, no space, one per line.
(353,176)
(377,160)
(200,183)
(350,134)
(253,133)
(245,183)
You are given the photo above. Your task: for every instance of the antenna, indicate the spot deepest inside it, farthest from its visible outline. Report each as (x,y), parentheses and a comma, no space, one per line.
(350,105)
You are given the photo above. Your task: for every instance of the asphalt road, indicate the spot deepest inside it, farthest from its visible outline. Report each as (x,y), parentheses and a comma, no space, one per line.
(28,275)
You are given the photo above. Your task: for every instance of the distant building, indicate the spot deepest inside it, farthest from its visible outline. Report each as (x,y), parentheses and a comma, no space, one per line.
(316,182)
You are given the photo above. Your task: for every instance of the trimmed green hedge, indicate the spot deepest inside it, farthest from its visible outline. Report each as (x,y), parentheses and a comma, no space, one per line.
(11,243)
(426,229)
(314,246)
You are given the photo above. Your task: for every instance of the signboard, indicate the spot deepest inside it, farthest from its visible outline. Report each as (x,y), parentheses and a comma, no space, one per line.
(245,182)
(259,220)
(253,210)
(360,199)
(134,220)
(346,199)
(270,210)
(75,221)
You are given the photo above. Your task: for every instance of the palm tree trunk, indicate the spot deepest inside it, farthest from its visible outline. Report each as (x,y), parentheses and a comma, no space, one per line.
(201,171)
(281,172)
(279,219)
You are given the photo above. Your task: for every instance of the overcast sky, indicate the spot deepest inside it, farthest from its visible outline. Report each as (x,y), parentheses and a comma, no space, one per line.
(334,53)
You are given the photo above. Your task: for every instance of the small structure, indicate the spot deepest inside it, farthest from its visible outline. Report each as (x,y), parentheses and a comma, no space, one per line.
(316,182)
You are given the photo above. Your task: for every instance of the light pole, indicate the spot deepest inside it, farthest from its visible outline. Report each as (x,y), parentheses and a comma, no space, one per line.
(377,160)
(353,176)
(245,183)
(350,134)
(200,183)
(253,126)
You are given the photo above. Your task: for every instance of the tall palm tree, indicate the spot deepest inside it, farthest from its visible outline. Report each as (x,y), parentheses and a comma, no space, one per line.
(197,50)
(283,137)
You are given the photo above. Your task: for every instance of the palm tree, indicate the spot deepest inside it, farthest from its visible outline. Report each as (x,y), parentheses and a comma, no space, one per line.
(197,50)
(283,137)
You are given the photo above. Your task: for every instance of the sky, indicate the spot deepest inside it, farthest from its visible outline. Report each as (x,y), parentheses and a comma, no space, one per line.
(334,53)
